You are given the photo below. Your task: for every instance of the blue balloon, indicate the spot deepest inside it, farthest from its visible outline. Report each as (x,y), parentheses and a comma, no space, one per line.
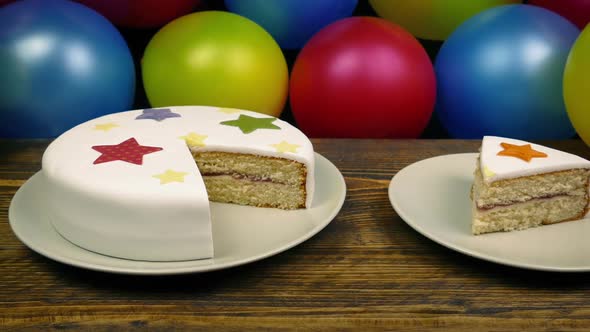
(61,64)
(292,22)
(500,73)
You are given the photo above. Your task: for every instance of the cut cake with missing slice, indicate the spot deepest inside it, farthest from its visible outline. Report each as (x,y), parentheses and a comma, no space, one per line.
(137,185)
(518,185)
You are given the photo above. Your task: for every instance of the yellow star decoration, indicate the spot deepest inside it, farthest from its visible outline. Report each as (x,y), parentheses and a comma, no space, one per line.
(105,126)
(488,172)
(170,176)
(227,110)
(194,139)
(285,146)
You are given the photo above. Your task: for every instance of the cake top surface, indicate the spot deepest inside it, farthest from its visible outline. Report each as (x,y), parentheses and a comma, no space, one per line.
(505,158)
(143,152)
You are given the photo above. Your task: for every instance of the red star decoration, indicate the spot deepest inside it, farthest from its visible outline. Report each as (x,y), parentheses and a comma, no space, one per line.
(129,151)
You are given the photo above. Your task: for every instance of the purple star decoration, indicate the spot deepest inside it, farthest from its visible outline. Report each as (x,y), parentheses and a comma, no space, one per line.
(157,114)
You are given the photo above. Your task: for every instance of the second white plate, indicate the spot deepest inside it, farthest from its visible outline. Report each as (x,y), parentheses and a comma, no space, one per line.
(241,234)
(432,196)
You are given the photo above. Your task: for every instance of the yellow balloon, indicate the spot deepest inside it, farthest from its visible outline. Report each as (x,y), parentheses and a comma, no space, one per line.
(576,85)
(432,19)
(215,58)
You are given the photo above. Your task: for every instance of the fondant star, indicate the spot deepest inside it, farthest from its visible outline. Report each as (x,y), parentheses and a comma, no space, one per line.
(170,176)
(248,124)
(194,139)
(488,172)
(128,151)
(158,114)
(105,126)
(227,110)
(524,152)
(285,146)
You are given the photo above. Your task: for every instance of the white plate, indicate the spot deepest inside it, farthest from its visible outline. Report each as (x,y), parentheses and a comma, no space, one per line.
(241,234)
(432,196)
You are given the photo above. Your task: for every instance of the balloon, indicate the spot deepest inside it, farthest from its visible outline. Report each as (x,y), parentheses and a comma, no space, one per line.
(432,19)
(577,11)
(500,73)
(576,85)
(216,59)
(142,13)
(61,64)
(292,22)
(363,77)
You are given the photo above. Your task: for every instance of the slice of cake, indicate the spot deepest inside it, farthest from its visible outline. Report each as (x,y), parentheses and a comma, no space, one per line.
(519,185)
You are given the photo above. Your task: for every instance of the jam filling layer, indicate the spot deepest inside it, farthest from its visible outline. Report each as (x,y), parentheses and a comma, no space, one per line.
(491,206)
(242,177)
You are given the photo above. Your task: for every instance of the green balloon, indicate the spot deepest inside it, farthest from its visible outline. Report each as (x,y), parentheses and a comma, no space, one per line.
(215,58)
(576,85)
(433,19)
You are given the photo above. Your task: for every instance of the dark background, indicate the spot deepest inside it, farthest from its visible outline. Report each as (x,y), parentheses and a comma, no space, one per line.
(137,39)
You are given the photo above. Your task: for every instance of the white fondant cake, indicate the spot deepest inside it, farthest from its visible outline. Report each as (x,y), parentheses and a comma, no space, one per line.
(126,184)
(518,185)
(497,167)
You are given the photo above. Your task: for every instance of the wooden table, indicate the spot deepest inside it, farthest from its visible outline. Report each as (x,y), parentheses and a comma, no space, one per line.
(367,270)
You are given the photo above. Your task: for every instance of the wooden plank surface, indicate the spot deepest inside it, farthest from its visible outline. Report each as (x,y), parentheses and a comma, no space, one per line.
(367,270)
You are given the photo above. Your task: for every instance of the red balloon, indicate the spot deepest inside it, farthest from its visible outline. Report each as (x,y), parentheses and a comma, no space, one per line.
(141,13)
(577,11)
(363,77)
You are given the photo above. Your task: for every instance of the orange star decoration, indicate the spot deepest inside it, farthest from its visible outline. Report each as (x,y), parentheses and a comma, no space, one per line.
(524,152)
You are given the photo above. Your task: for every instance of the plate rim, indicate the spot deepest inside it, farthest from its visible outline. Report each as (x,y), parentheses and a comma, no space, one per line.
(177,270)
(458,248)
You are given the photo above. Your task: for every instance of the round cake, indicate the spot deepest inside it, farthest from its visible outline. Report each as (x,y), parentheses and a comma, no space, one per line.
(137,184)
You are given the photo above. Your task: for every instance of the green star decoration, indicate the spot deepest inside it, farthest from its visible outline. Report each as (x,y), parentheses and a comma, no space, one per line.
(248,124)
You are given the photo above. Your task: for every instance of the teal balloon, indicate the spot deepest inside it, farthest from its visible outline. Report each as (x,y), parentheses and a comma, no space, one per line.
(501,72)
(61,64)
(292,22)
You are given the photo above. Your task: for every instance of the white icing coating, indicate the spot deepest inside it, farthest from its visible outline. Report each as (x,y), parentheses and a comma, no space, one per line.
(495,167)
(132,211)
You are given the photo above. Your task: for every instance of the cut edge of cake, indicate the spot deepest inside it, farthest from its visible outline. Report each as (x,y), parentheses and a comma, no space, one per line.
(254,180)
